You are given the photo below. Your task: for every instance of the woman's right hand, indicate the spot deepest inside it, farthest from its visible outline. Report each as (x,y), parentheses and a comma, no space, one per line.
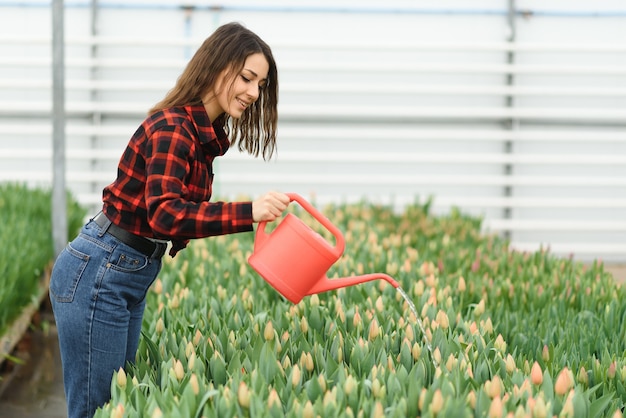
(269,206)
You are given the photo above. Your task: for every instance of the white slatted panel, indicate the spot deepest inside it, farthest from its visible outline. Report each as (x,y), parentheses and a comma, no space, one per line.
(389,107)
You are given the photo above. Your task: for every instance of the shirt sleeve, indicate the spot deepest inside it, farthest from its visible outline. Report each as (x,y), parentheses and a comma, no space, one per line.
(172,214)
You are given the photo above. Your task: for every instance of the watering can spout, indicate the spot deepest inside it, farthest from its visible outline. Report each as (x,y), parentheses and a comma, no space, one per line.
(327,284)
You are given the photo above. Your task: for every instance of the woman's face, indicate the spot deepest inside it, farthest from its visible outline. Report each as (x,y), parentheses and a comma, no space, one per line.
(233,95)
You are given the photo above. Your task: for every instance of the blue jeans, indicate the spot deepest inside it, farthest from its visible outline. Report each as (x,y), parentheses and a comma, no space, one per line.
(97,289)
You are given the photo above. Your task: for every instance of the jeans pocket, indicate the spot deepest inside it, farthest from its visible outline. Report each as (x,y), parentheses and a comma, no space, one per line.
(66,273)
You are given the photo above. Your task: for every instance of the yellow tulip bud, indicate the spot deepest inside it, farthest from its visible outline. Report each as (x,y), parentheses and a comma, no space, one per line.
(436,405)
(178,370)
(495,409)
(193,381)
(243,395)
(295,375)
(121,378)
(273,399)
(268,333)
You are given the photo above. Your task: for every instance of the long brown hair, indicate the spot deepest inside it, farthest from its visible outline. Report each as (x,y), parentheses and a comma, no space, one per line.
(227,49)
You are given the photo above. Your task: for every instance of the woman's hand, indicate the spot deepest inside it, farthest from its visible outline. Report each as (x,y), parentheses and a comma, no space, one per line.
(269,206)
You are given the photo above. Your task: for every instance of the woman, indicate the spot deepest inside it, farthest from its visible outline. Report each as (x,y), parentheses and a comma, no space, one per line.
(161,194)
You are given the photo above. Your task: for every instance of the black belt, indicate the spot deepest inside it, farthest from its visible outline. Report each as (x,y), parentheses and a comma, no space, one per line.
(143,245)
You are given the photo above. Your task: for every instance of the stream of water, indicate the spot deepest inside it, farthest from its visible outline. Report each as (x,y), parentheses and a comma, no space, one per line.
(419,323)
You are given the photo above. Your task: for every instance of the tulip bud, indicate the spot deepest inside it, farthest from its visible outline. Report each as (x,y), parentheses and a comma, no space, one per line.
(540,410)
(379,304)
(536,375)
(273,399)
(356,320)
(495,388)
(178,370)
(295,375)
(158,286)
(308,411)
(500,344)
(461,287)
(471,399)
(510,364)
(193,381)
(160,326)
(437,355)
(583,377)
(243,395)
(610,373)
(564,382)
(545,353)
(118,411)
(268,333)
(374,330)
(197,338)
(309,362)
(121,378)
(495,409)
(422,399)
(416,351)
(480,308)
(349,385)
(436,405)
(157,413)
(442,319)
(304,325)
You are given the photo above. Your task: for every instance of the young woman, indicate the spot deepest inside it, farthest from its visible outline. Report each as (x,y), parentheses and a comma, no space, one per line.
(227,94)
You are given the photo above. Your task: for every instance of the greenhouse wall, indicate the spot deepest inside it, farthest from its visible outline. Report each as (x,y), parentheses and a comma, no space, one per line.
(514,111)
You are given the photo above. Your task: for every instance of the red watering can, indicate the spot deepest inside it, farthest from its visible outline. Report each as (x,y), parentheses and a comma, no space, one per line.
(294,259)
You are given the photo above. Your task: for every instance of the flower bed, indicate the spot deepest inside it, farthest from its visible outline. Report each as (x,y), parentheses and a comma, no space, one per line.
(27,251)
(523,334)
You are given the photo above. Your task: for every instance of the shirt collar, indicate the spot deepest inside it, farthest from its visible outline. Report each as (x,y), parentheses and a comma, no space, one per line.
(210,136)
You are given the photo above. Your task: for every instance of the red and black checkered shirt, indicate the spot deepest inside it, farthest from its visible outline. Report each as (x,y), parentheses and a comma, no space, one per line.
(165,177)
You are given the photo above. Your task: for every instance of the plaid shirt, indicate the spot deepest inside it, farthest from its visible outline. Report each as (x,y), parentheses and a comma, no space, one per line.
(164,181)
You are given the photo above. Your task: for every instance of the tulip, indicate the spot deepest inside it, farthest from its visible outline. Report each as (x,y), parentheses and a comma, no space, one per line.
(480,308)
(157,413)
(304,325)
(178,370)
(471,399)
(583,377)
(610,373)
(461,287)
(349,385)
(273,399)
(193,381)
(545,353)
(309,362)
(510,364)
(243,395)
(121,378)
(268,333)
(536,375)
(500,344)
(308,411)
(442,319)
(374,330)
(540,410)
(436,405)
(160,326)
(118,411)
(158,286)
(564,382)
(495,409)
(295,375)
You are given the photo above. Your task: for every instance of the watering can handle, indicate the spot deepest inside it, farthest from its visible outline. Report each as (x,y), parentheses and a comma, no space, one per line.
(340,244)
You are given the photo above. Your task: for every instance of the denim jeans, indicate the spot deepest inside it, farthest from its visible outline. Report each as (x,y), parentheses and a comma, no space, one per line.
(97,289)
